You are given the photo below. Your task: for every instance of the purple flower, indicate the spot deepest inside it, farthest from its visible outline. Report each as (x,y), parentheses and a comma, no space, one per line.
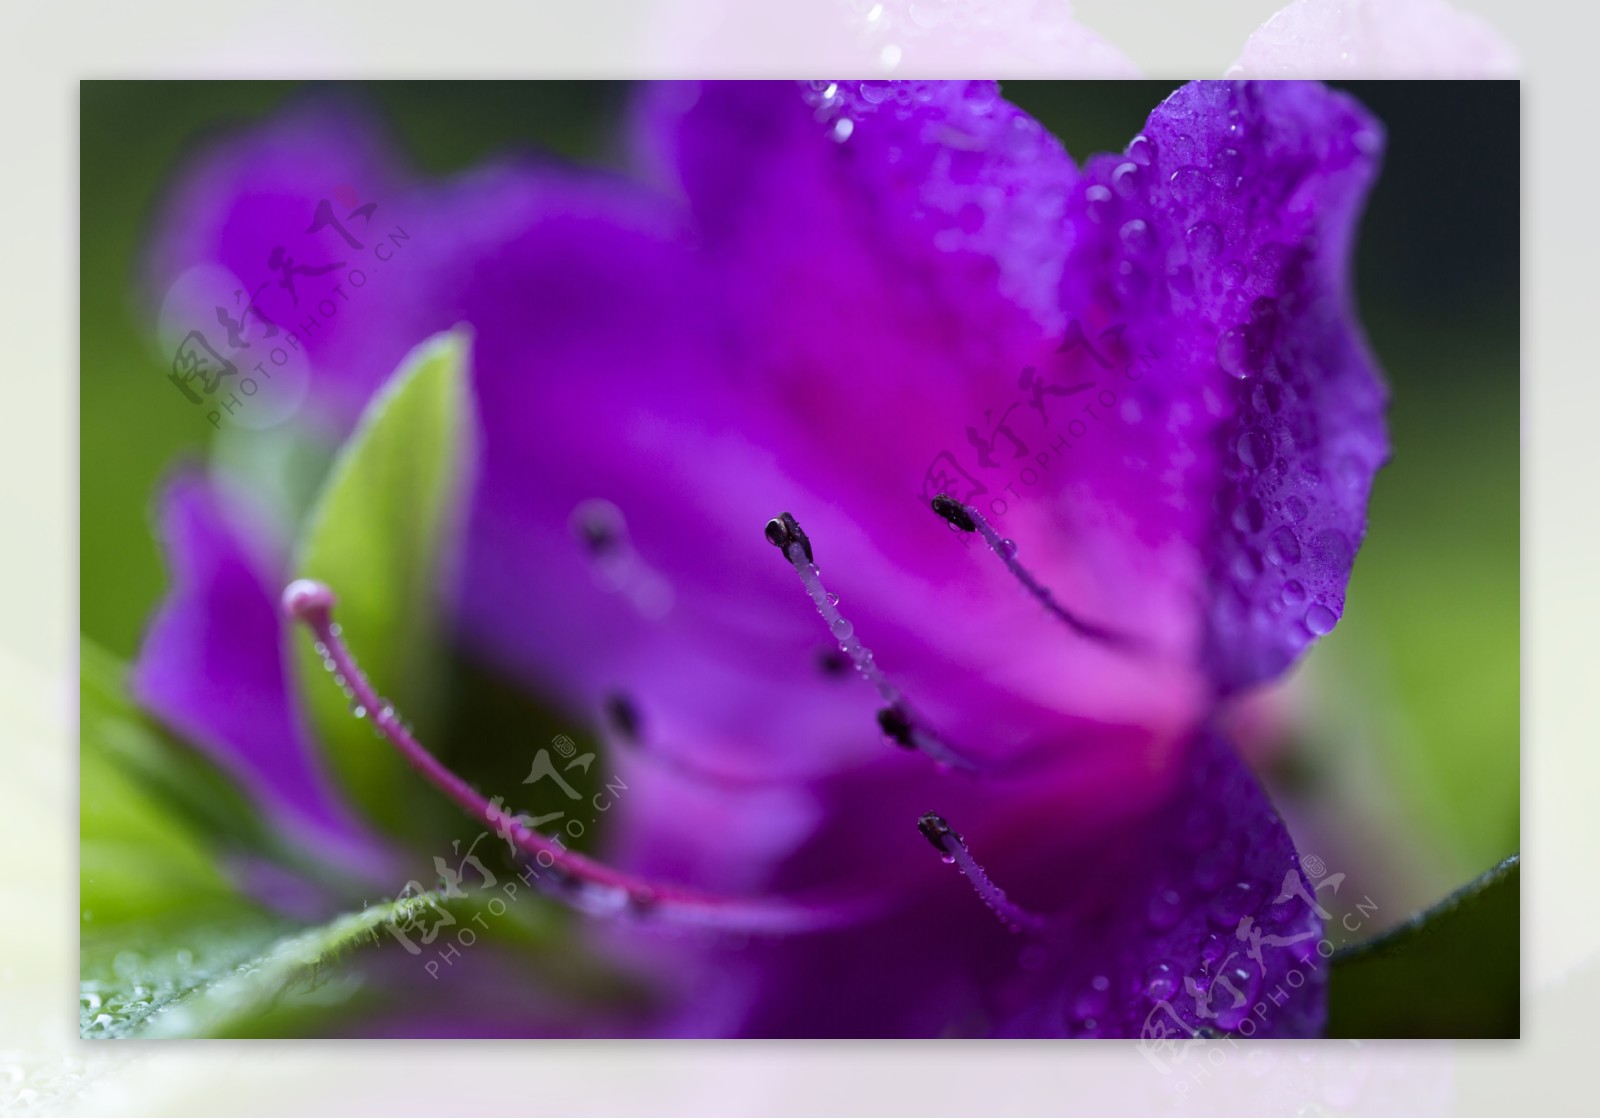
(1133,392)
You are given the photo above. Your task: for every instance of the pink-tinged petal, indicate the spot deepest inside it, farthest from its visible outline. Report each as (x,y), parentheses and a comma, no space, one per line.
(1376,39)
(212,666)
(1221,244)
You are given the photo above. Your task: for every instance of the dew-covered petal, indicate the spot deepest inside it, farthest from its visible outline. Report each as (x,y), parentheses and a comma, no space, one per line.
(1155,914)
(212,665)
(1375,39)
(1198,918)
(1214,257)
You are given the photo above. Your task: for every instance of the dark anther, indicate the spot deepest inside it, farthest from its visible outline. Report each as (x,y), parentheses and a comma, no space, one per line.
(896,725)
(784,530)
(954,512)
(832,662)
(937,829)
(598,533)
(623,716)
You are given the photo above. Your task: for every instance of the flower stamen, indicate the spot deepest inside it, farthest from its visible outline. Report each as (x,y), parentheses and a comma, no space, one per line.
(953,849)
(582,882)
(968,519)
(896,720)
(618,567)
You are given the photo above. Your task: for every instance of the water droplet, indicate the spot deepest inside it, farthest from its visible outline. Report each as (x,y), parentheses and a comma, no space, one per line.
(1007,549)
(328,663)
(843,628)
(1293,593)
(841,130)
(1212,947)
(1283,548)
(1125,179)
(833,599)
(1097,200)
(1255,449)
(1204,240)
(1248,516)
(1136,236)
(1233,353)
(359,711)
(1267,398)
(1234,902)
(1094,999)
(1331,552)
(1166,907)
(1188,184)
(1247,564)
(1141,150)
(1294,509)
(1271,262)
(1320,620)
(1161,979)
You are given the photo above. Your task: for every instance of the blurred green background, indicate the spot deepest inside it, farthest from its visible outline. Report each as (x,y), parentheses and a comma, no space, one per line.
(1394,751)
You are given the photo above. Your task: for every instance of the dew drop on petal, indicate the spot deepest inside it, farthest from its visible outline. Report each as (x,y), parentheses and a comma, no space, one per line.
(1283,548)
(1212,947)
(1097,200)
(1320,620)
(1136,236)
(1161,980)
(1255,449)
(1233,353)
(1094,999)
(1248,516)
(1125,179)
(1166,907)
(1204,240)
(1293,593)
(1232,903)
(1141,150)
(1188,184)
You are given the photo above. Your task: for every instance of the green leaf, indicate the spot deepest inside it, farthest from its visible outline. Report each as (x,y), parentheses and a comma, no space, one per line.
(157,911)
(292,973)
(375,535)
(150,814)
(1452,971)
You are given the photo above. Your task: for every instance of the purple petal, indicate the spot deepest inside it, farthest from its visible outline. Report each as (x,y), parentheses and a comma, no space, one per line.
(1221,243)
(212,666)
(374,256)
(1153,916)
